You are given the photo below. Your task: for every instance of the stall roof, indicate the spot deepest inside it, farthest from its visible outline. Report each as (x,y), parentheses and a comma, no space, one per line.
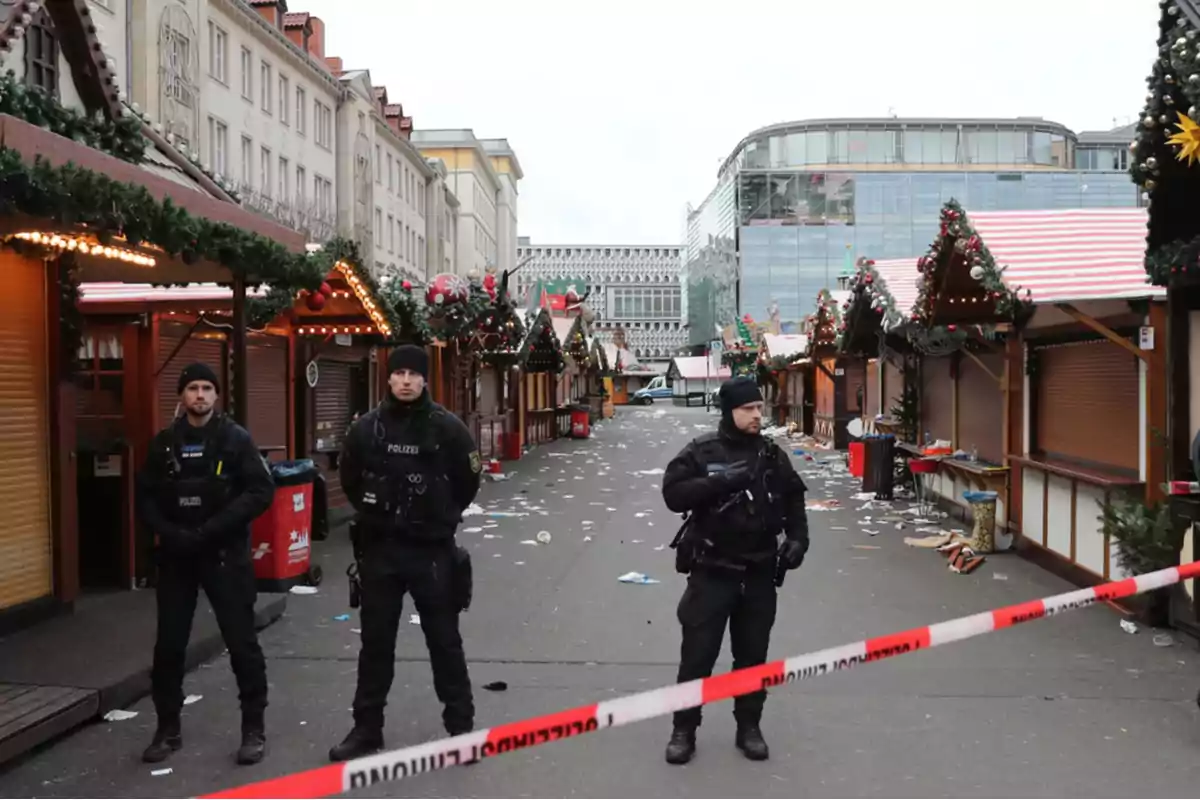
(784,345)
(149,293)
(900,280)
(1070,255)
(697,368)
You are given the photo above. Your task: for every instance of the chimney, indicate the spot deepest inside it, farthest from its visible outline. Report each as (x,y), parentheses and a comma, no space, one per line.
(297,29)
(316,41)
(335,65)
(394,115)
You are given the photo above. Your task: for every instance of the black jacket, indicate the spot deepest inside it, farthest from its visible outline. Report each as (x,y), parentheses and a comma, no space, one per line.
(741,527)
(206,483)
(396,440)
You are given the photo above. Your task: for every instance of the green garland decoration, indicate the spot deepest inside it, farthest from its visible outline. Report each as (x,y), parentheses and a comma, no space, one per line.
(741,360)
(868,286)
(956,234)
(828,313)
(542,330)
(121,138)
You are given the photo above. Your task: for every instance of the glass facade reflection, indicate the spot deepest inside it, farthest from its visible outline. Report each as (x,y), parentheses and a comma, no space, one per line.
(818,223)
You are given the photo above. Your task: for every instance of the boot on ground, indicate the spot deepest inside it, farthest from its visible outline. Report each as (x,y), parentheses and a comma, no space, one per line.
(254,746)
(752,744)
(361,741)
(682,746)
(167,739)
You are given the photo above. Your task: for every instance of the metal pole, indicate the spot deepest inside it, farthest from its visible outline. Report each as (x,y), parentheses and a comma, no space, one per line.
(238,354)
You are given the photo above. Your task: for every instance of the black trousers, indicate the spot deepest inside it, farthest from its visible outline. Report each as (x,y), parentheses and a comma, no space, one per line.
(229,586)
(388,570)
(747,603)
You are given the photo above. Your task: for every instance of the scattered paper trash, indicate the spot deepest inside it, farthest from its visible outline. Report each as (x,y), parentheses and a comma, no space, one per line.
(1129,627)
(414,619)
(999,576)
(352,630)
(495,477)
(518,563)
(660,548)
(587,538)
(158,773)
(1163,640)
(544,537)
(303,590)
(119,715)
(192,698)
(655,471)
(472,530)
(865,546)
(472,510)
(871,532)
(342,618)
(637,577)
(529,541)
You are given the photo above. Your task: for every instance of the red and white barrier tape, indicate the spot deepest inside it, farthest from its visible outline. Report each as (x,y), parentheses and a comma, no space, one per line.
(471,747)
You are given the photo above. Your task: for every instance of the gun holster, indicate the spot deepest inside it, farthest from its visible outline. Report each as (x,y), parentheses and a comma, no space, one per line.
(684,547)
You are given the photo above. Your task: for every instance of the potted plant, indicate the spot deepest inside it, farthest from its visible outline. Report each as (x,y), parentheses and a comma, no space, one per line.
(1147,541)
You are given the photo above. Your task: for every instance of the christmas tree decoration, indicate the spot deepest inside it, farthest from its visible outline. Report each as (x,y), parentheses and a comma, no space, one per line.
(541,350)
(824,326)
(1188,142)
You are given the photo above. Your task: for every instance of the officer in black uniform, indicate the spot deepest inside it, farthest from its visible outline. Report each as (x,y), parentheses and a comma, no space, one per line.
(203,483)
(740,492)
(409,468)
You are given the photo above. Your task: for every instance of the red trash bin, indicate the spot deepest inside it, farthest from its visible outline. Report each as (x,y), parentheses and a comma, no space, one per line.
(511,445)
(281,539)
(581,425)
(856,458)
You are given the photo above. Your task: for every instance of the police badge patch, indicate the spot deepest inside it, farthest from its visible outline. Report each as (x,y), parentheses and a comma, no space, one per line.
(476,462)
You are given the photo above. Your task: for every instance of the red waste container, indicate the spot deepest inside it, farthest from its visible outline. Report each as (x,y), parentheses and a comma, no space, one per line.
(511,445)
(281,539)
(856,459)
(581,426)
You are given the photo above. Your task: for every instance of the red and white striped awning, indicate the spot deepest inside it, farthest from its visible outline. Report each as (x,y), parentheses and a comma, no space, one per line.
(149,293)
(1070,255)
(900,278)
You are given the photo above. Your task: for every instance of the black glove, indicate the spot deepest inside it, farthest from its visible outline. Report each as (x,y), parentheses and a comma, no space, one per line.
(736,477)
(791,553)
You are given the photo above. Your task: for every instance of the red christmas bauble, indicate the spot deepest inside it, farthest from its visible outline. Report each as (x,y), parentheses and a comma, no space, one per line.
(446,290)
(326,290)
(952,328)
(406,286)
(315,301)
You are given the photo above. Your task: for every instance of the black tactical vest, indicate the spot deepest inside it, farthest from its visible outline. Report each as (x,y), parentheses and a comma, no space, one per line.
(198,482)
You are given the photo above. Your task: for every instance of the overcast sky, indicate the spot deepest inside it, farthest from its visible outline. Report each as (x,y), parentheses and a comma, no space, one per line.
(621,115)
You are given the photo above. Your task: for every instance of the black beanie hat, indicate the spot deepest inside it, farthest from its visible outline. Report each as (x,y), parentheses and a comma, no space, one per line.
(738,392)
(197,372)
(410,357)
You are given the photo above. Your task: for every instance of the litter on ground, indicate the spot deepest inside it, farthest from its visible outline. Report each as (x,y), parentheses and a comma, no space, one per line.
(303,590)
(119,715)
(638,578)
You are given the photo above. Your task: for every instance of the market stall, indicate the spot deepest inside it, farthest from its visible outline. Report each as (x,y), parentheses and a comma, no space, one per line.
(693,378)
(496,343)
(781,359)
(838,383)
(540,360)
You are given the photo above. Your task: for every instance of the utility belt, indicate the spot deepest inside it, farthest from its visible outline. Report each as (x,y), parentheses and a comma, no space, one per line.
(703,541)
(461,572)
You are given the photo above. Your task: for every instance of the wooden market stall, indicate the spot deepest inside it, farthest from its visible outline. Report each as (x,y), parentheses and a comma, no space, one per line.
(572,383)
(692,379)
(1077,390)
(540,360)
(781,361)
(496,343)
(628,375)
(838,383)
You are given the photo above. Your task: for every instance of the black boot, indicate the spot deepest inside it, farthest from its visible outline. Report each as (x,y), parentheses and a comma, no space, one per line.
(682,746)
(167,739)
(254,746)
(752,744)
(361,741)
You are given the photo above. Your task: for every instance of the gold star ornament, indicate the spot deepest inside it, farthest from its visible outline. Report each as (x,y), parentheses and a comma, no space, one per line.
(1188,139)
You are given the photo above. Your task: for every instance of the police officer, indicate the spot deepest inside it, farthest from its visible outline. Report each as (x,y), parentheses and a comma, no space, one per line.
(739,491)
(202,485)
(409,468)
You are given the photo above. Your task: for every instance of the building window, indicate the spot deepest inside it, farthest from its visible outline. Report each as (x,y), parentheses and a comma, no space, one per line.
(41,55)
(421,253)
(264,174)
(285,174)
(301,111)
(218,52)
(301,184)
(247,75)
(247,164)
(218,145)
(391,174)
(378,226)
(421,199)
(323,194)
(391,233)
(379,165)
(284,97)
(265,79)
(323,120)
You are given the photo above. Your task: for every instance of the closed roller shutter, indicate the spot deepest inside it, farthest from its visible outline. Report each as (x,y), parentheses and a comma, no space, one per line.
(25,537)
(331,413)
(267,392)
(981,407)
(1087,404)
(937,408)
(198,347)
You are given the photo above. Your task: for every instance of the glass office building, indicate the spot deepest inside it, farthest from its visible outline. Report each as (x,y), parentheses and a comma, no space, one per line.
(796,204)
